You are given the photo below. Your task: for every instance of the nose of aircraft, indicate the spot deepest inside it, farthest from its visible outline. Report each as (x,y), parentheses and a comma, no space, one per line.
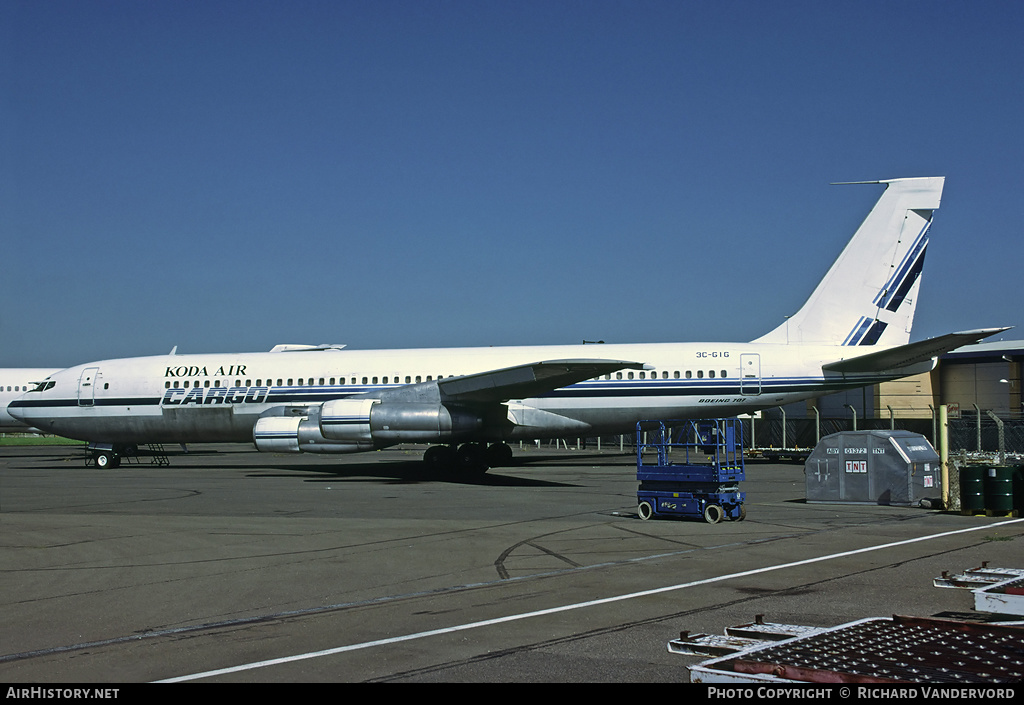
(23,407)
(16,410)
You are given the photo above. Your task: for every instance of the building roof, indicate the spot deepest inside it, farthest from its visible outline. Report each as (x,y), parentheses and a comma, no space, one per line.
(994,350)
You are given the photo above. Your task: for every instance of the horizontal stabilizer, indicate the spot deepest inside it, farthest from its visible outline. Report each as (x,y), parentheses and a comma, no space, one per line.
(292,347)
(910,354)
(525,381)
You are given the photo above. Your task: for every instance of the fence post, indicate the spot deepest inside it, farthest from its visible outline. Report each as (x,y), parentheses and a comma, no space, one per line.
(1002,437)
(944,453)
(854,412)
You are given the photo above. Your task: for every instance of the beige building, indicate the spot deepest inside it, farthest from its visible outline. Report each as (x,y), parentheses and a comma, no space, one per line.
(987,375)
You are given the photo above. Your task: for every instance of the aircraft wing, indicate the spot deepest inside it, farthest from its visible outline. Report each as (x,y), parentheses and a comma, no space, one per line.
(910,354)
(523,381)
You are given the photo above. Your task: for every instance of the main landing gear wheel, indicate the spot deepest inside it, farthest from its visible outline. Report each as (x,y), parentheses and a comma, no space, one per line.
(645,510)
(713,513)
(472,458)
(469,458)
(499,455)
(439,457)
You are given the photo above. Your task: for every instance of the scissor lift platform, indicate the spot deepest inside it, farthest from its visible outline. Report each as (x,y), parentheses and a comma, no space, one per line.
(696,470)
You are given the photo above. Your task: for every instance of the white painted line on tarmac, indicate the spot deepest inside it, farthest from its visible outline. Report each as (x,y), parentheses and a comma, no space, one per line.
(566,608)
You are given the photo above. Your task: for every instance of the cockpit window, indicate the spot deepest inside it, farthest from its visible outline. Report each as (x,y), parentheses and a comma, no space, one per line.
(44,385)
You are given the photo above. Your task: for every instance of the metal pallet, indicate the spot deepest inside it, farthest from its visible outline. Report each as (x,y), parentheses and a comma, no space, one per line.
(737,638)
(879,650)
(996,590)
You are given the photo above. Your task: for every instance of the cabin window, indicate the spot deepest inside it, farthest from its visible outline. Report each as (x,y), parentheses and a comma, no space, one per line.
(629,375)
(290,381)
(385,380)
(723,374)
(618,375)
(365,380)
(279,382)
(711,374)
(700,374)
(300,381)
(418,380)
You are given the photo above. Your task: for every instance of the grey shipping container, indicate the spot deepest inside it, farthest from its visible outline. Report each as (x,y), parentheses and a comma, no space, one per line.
(873,467)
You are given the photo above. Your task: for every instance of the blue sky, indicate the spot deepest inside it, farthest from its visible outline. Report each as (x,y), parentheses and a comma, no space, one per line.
(227,176)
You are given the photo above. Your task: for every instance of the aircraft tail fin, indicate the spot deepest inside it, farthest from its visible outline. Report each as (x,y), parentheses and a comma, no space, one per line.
(869,295)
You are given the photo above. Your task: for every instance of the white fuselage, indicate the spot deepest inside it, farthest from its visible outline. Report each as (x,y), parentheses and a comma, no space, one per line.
(219,397)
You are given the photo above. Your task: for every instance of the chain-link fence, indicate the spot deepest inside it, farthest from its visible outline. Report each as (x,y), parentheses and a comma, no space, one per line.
(971,433)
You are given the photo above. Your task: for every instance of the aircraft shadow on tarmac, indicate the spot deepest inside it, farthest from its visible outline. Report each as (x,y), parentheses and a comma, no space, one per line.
(404,473)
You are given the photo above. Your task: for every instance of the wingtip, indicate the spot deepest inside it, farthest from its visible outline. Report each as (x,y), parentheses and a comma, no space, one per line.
(982,333)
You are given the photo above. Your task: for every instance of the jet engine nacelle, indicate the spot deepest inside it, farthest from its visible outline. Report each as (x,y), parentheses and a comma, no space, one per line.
(387,423)
(298,434)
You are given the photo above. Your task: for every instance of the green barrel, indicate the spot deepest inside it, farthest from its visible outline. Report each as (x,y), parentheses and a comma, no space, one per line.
(972,489)
(999,488)
(1018,487)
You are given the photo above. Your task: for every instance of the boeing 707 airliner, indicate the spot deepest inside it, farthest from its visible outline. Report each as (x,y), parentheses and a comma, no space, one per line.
(853,331)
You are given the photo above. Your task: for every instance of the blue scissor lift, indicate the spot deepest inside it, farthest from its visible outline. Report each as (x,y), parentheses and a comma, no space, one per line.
(698,470)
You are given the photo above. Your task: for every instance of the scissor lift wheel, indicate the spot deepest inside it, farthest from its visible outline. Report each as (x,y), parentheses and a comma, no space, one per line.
(645,510)
(713,513)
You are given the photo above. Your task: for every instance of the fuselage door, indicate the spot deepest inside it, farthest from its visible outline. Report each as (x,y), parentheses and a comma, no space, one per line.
(750,373)
(87,386)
